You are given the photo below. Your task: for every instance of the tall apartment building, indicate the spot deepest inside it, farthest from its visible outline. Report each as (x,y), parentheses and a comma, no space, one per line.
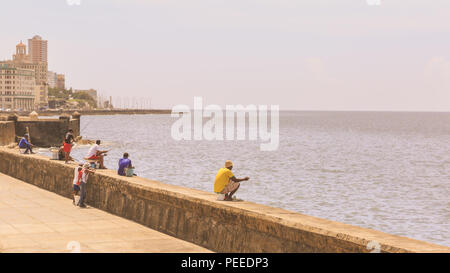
(51,79)
(60,81)
(17,87)
(37,49)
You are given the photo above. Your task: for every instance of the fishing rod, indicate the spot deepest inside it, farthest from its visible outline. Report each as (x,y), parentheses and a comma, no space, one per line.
(29,135)
(84,127)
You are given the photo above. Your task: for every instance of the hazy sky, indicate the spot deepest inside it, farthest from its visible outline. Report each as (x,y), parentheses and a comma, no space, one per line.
(306,55)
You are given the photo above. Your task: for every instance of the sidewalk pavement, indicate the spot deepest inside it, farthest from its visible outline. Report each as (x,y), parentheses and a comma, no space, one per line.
(35,220)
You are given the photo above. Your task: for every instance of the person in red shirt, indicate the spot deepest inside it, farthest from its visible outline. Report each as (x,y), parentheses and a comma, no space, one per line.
(69,138)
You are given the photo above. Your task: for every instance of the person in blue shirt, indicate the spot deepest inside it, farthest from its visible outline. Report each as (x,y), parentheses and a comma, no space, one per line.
(25,144)
(124,163)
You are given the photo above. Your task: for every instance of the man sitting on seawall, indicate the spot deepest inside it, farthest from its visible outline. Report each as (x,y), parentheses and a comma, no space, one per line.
(95,154)
(124,162)
(226,183)
(24,144)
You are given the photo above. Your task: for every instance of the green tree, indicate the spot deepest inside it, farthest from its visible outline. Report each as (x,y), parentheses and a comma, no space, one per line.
(83,96)
(60,94)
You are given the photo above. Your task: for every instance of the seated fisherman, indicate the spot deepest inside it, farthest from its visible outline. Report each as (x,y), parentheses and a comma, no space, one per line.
(124,162)
(226,183)
(96,154)
(25,144)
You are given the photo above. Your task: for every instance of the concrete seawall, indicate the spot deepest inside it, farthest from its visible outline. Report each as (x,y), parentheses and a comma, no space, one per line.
(47,132)
(7,133)
(196,216)
(43,132)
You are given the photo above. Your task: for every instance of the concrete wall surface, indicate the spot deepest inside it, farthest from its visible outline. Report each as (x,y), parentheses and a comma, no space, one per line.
(197,216)
(47,133)
(7,133)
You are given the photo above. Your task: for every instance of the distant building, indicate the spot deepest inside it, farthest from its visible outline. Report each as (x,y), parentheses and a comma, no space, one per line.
(41,95)
(21,53)
(40,75)
(60,81)
(17,87)
(51,79)
(22,61)
(37,49)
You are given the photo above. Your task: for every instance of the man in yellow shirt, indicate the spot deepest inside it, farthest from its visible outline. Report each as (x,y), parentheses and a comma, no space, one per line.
(226,183)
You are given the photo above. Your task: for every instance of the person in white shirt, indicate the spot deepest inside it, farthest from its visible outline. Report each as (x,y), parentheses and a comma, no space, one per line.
(84,178)
(95,153)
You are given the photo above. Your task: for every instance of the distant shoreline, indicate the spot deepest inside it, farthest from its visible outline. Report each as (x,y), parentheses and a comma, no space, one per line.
(168,111)
(96,112)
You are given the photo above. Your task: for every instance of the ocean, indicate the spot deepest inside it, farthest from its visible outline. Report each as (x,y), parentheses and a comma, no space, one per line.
(388,171)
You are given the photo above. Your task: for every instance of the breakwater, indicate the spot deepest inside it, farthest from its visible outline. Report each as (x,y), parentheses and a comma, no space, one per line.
(43,132)
(196,216)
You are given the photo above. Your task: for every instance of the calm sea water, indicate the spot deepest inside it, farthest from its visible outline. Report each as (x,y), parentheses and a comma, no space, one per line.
(380,170)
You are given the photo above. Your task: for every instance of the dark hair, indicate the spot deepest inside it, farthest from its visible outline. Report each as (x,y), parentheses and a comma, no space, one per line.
(125,155)
(98,142)
(79,168)
(70,130)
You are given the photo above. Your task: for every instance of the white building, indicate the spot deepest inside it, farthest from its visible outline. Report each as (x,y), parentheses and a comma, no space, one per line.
(17,88)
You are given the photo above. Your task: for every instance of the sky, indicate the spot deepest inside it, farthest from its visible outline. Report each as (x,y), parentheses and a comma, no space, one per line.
(361,55)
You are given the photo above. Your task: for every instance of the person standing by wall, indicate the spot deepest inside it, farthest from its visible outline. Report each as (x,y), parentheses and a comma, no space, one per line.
(84,178)
(68,139)
(77,181)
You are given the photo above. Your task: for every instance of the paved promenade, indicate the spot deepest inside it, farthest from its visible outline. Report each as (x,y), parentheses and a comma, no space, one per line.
(35,220)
